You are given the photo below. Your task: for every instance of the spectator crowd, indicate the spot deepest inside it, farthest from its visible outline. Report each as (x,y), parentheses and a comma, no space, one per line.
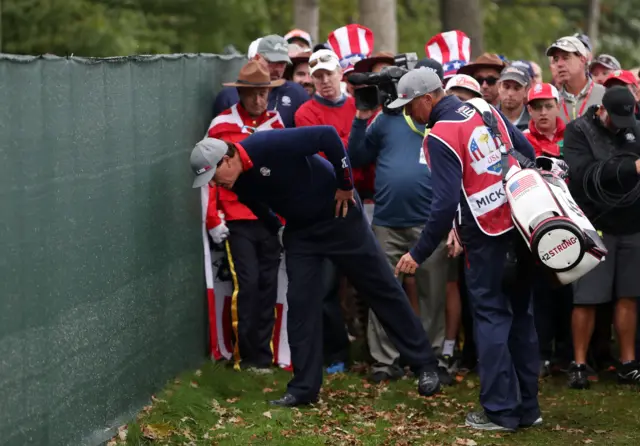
(291,82)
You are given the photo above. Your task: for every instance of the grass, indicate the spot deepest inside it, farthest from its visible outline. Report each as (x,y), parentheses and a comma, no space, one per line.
(219,406)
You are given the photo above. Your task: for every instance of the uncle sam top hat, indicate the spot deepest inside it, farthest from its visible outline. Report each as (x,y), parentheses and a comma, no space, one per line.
(352,43)
(451,48)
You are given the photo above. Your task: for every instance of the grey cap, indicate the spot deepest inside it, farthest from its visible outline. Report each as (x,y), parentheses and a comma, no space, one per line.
(274,48)
(606,61)
(416,83)
(569,44)
(515,74)
(205,156)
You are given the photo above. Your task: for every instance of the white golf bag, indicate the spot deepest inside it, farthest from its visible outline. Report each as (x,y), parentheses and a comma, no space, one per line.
(554,227)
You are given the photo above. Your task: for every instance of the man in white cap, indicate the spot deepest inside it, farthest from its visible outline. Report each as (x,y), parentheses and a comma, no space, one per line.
(569,58)
(462,149)
(273,53)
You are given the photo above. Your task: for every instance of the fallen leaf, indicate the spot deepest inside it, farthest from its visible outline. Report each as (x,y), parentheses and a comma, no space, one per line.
(267,414)
(597,431)
(471,384)
(198,372)
(232,400)
(156,431)
(465,442)
(194,384)
(112,442)
(587,441)
(267,390)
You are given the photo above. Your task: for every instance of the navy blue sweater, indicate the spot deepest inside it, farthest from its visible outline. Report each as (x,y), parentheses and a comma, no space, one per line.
(403,179)
(285,99)
(446,178)
(289,178)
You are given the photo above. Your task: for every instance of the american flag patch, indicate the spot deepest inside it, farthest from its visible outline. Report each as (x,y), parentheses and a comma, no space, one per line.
(523,184)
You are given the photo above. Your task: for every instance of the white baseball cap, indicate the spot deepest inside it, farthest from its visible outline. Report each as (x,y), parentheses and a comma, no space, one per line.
(466,82)
(323,60)
(253,48)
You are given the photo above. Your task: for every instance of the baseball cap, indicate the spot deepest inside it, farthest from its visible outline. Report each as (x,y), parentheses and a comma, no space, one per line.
(323,60)
(274,48)
(253,48)
(524,65)
(624,76)
(298,34)
(586,41)
(432,65)
(606,61)
(569,44)
(466,82)
(621,107)
(543,91)
(415,83)
(205,156)
(515,74)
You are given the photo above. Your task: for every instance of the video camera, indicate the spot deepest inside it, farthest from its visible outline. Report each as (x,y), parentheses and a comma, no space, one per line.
(376,89)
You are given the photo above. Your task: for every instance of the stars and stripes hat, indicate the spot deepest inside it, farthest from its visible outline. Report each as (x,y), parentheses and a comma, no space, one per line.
(351,43)
(451,48)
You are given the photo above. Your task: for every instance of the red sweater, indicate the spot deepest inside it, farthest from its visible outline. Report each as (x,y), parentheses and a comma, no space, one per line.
(542,144)
(340,115)
(234,125)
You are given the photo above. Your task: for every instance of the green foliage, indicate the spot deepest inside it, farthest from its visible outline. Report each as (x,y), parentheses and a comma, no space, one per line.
(516,28)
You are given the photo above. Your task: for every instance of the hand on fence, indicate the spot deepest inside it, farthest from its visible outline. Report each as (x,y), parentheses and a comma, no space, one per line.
(219,234)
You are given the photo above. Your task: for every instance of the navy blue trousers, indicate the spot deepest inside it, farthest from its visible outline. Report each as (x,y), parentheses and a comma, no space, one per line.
(350,244)
(504,329)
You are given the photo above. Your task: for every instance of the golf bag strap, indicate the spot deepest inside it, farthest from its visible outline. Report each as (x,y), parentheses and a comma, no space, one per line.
(490,120)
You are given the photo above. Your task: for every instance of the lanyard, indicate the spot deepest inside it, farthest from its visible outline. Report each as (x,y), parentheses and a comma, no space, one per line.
(584,104)
(411,125)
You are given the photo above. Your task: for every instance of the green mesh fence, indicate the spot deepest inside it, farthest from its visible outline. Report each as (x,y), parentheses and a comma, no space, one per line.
(102,295)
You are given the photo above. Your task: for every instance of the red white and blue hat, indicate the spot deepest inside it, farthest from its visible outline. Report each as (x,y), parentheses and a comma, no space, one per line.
(452,49)
(352,43)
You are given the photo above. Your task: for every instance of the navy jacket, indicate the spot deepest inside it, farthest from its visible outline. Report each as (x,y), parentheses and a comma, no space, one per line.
(285,99)
(446,178)
(403,179)
(289,178)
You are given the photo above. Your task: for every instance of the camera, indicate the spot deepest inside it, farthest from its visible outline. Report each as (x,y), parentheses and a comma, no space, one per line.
(376,89)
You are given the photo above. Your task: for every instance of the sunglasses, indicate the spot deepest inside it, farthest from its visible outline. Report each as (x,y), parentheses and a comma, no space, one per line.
(491,81)
(321,59)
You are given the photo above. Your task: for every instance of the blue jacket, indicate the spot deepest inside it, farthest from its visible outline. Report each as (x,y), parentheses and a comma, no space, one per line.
(290,179)
(403,178)
(286,99)
(446,178)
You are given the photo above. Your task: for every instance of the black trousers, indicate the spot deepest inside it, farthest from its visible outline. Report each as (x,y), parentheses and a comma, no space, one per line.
(254,258)
(552,312)
(350,244)
(335,337)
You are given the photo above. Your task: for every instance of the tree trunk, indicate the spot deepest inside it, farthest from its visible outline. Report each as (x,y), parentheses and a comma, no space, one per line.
(380,17)
(593,24)
(466,16)
(306,16)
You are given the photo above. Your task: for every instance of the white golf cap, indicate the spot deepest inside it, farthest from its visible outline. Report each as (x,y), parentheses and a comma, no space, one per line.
(323,60)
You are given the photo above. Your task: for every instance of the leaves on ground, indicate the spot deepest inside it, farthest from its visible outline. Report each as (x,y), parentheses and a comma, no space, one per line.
(228,407)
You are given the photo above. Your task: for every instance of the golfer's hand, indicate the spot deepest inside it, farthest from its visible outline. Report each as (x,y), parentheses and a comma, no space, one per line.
(344,198)
(453,244)
(406,265)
